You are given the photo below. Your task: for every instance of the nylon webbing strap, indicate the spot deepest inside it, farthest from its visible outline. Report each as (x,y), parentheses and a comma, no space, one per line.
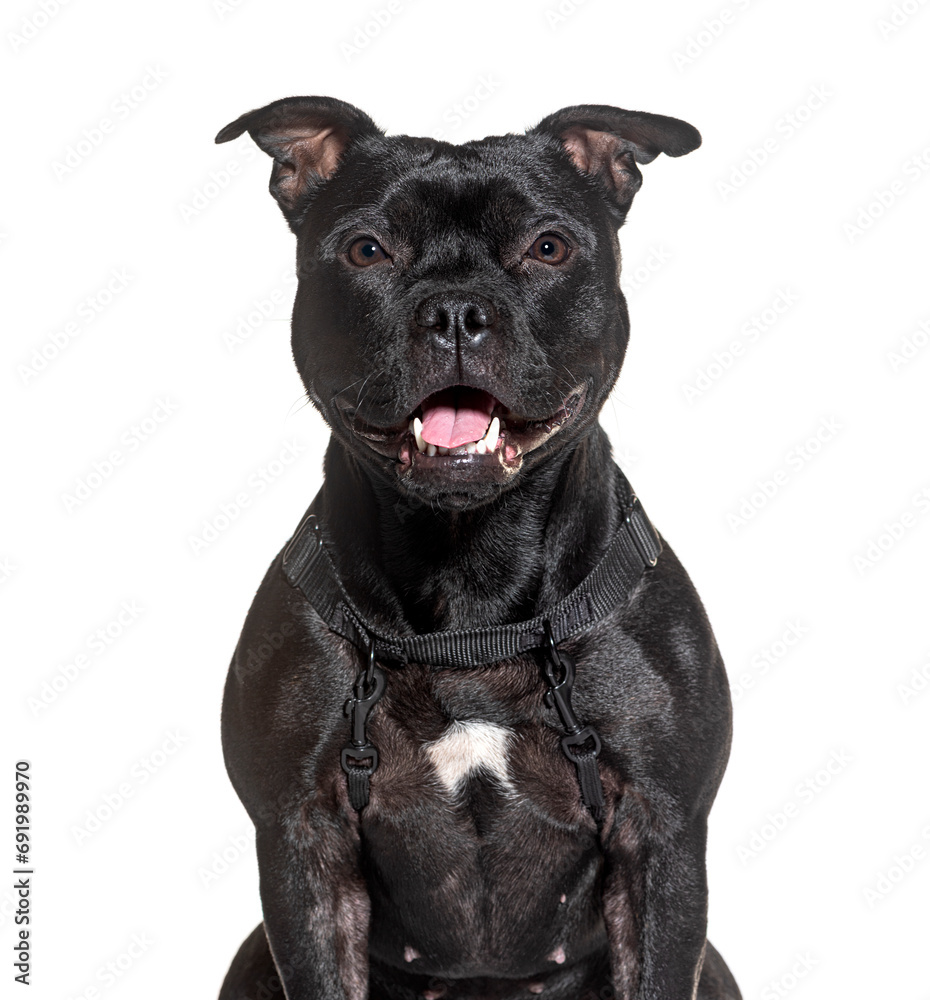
(636,546)
(358,779)
(308,566)
(589,778)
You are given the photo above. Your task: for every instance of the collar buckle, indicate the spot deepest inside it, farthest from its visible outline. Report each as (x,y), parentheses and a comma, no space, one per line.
(641,531)
(303,548)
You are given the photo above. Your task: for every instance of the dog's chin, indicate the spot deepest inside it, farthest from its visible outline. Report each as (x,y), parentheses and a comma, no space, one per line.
(467,473)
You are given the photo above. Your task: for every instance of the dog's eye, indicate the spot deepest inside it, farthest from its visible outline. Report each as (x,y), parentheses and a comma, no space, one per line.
(366,251)
(550,249)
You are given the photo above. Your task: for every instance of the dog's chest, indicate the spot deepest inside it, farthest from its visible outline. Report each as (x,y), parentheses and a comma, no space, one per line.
(467,747)
(476,814)
(476,743)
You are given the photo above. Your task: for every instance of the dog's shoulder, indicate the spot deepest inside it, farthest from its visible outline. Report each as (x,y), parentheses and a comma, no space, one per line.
(287,682)
(651,677)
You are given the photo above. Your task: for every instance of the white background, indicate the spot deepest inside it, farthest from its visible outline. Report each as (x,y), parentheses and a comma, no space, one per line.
(809,896)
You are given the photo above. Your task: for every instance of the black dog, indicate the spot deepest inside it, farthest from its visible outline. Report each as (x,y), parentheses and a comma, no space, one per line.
(476,713)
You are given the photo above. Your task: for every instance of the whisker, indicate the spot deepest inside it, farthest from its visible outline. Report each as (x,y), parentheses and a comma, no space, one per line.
(339,392)
(361,392)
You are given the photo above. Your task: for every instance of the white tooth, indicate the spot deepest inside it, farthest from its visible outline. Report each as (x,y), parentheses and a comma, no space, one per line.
(431,450)
(481,447)
(490,439)
(471,446)
(416,425)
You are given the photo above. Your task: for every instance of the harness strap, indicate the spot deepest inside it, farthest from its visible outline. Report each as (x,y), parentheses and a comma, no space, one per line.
(357,779)
(589,779)
(309,567)
(580,744)
(360,757)
(636,546)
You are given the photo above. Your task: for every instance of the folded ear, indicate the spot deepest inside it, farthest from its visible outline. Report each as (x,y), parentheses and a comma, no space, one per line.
(308,137)
(608,143)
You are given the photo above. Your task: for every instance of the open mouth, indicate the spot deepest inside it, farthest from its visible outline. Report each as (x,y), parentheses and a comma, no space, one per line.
(461,428)
(457,421)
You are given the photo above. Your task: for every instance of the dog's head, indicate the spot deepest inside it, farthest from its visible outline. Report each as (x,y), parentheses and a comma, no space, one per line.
(458,316)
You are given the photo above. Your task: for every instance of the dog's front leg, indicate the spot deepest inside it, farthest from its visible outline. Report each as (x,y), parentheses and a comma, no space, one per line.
(655,910)
(316,906)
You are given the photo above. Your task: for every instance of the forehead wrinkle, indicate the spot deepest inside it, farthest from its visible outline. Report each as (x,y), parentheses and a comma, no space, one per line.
(473,203)
(462,181)
(437,192)
(479,189)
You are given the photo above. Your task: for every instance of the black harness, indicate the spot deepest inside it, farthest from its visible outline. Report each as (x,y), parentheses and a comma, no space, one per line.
(634,548)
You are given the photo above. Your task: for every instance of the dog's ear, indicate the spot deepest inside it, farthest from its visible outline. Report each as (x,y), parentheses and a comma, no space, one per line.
(608,143)
(307,137)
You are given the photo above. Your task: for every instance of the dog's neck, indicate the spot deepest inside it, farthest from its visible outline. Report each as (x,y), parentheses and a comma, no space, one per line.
(405,562)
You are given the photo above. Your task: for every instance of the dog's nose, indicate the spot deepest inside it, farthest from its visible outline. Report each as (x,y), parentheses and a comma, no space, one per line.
(456,318)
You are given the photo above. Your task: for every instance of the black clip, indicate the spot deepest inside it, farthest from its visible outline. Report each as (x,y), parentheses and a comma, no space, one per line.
(559,669)
(635,529)
(367,690)
(577,739)
(559,696)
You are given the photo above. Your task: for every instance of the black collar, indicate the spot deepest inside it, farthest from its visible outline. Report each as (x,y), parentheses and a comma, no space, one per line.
(635,547)
(308,565)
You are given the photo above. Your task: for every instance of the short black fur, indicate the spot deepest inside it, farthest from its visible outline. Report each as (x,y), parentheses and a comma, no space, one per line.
(502,888)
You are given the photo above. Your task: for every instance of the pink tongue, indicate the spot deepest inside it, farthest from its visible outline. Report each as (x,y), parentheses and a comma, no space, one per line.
(456,416)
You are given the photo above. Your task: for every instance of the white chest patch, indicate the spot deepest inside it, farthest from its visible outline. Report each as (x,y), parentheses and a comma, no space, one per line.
(468,746)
